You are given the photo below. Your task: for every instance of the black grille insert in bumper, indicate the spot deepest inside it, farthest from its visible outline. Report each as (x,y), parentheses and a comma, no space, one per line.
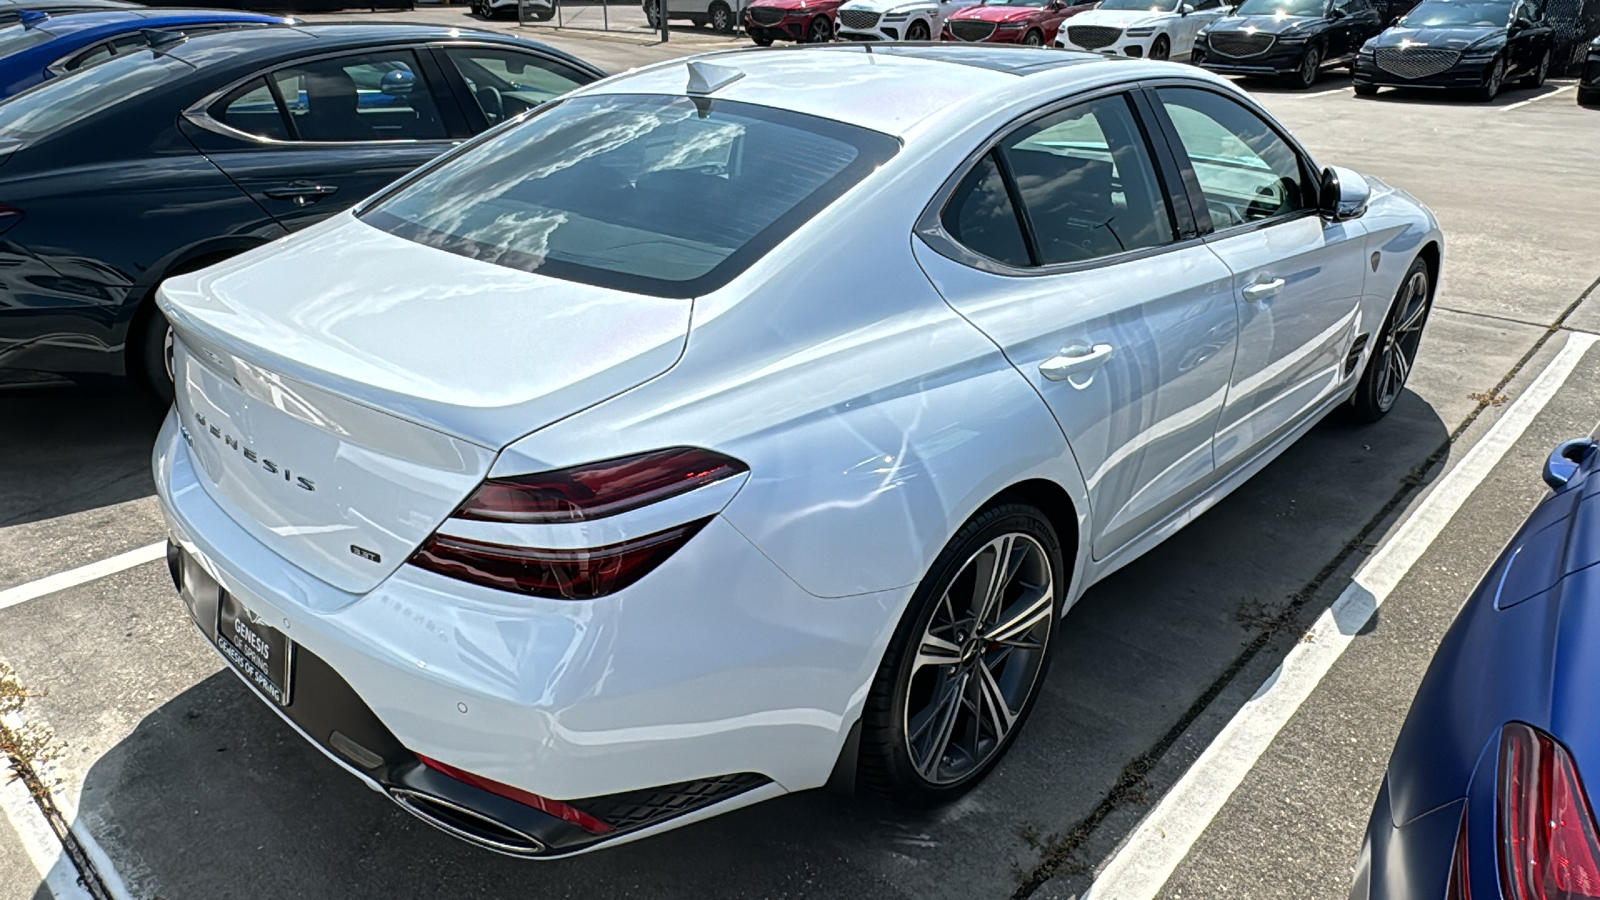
(971,29)
(1241,43)
(1093,37)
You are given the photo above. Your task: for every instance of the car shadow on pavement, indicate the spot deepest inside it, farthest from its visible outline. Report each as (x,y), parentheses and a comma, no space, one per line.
(64,451)
(211,791)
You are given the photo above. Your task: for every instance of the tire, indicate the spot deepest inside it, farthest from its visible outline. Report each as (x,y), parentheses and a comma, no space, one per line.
(910,750)
(918,31)
(697,21)
(761,38)
(1395,350)
(1310,67)
(721,18)
(1034,38)
(650,17)
(154,365)
(1588,97)
(1161,49)
(820,31)
(1493,81)
(1535,79)
(1366,90)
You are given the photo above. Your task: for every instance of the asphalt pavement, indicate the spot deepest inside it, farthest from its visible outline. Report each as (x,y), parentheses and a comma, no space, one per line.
(174,771)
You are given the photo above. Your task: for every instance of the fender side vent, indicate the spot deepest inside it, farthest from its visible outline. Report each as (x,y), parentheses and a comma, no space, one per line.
(1354,357)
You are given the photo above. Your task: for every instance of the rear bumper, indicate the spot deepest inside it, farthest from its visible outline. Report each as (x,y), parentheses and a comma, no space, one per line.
(716,665)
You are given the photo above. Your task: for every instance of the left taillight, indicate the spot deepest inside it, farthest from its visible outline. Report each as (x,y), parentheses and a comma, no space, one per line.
(574,495)
(1548,844)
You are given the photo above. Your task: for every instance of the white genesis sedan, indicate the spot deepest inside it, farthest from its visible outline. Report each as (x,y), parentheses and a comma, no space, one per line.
(744,425)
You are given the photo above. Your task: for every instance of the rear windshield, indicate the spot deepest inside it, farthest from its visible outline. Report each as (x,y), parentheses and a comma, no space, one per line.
(660,195)
(61,102)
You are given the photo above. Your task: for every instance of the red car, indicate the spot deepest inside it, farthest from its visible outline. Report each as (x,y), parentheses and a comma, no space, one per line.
(806,21)
(1031,22)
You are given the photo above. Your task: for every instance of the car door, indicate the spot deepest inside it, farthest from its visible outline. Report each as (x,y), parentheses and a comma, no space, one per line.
(495,83)
(1340,31)
(313,137)
(1364,21)
(1201,14)
(1063,243)
(1297,277)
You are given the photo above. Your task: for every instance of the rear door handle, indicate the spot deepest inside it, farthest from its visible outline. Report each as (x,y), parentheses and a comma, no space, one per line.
(302,193)
(1076,361)
(1263,290)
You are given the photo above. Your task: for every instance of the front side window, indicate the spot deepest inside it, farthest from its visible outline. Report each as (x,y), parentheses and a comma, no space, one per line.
(1086,183)
(371,97)
(662,195)
(506,83)
(1246,170)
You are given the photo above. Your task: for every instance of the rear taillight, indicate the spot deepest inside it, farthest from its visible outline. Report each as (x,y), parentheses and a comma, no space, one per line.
(578,494)
(1459,887)
(564,811)
(600,489)
(557,574)
(1547,830)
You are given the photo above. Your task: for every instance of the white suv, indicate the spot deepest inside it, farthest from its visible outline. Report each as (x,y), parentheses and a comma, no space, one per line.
(721,15)
(1154,29)
(895,20)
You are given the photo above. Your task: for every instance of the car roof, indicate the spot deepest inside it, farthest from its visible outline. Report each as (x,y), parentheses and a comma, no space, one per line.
(147,18)
(253,45)
(887,88)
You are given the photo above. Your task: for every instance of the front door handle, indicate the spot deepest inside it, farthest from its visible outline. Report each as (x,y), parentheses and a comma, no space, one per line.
(1263,290)
(303,193)
(1076,361)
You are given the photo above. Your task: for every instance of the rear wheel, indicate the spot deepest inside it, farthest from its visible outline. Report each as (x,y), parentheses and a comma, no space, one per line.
(1161,49)
(1396,349)
(1034,38)
(820,32)
(964,667)
(721,18)
(918,31)
(1537,76)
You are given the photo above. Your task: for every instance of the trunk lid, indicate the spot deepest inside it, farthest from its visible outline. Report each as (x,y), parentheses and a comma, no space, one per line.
(344,390)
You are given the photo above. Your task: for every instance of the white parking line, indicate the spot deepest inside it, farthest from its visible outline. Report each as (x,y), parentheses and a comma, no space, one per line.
(1140,869)
(1343,90)
(1521,103)
(60,581)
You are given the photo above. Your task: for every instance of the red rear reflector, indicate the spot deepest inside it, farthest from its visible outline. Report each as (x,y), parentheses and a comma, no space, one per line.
(555,808)
(558,574)
(1547,831)
(599,489)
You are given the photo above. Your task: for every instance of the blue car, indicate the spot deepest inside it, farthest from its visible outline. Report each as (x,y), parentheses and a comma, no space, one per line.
(43,45)
(1485,795)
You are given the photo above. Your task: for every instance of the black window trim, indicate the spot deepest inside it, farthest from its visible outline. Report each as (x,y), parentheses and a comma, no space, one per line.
(199,113)
(1309,171)
(930,225)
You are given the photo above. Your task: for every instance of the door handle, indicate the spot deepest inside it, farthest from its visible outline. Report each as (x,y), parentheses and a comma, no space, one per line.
(302,193)
(1263,290)
(1076,360)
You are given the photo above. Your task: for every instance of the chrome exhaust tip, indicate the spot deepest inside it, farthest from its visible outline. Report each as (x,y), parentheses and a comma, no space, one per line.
(468,825)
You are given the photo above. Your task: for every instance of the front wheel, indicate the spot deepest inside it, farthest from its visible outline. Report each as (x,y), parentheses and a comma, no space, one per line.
(820,32)
(918,31)
(1395,351)
(1161,49)
(964,667)
(1034,38)
(721,18)
(1310,66)
(1493,80)
(1536,78)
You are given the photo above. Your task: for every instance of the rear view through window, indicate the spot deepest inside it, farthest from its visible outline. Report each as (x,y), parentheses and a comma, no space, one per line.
(657,195)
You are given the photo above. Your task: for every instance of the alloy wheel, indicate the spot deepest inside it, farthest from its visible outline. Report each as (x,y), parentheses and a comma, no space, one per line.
(821,31)
(1033,39)
(1309,66)
(917,32)
(721,18)
(1405,334)
(1492,82)
(1161,49)
(978,658)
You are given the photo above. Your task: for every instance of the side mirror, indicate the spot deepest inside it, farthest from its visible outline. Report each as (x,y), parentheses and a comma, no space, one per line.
(1335,13)
(1565,461)
(1185,8)
(397,83)
(1345,194)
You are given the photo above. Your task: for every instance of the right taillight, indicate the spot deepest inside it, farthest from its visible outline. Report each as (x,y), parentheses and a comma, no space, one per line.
(577,494)
(1548,846)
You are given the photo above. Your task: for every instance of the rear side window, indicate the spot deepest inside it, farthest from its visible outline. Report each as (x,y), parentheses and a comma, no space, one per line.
(981,216)
(660,195)
(506,83)
(370,97)
(252,109)
(1087,183)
